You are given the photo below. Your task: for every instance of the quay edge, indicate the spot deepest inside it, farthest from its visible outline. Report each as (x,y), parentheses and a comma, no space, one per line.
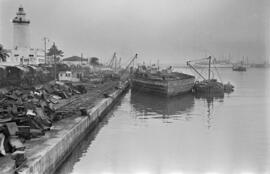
(53,152)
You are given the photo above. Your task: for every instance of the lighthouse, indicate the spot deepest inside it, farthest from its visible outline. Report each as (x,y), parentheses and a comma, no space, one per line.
(22,53)
(21,32)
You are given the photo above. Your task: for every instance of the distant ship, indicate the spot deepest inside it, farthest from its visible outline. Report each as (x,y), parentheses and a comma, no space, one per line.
(164,82)
(239,67)
(260,65)
(223,63)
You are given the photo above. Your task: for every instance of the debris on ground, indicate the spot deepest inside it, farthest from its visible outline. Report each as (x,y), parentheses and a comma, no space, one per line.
(28,113)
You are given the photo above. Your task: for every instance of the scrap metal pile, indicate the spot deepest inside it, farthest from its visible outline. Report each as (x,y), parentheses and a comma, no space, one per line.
(28,113)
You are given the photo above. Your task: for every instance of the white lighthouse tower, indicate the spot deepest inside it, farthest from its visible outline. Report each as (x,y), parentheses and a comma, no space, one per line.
(21,30)
(22,53)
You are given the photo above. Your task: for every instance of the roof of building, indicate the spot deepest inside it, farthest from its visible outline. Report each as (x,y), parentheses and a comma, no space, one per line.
(74,58)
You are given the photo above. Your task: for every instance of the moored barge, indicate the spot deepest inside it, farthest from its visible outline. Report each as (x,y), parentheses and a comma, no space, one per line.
(163,82)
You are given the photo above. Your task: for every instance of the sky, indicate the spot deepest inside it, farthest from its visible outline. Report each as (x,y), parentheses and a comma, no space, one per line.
(171,31)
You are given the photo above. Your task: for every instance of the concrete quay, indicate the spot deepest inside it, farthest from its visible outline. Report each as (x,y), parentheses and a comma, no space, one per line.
(46,154)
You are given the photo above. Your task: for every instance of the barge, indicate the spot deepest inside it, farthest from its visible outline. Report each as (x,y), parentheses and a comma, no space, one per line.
(164,82)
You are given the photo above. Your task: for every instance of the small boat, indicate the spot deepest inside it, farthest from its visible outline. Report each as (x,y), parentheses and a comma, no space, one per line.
(209,85)
(164,82)
(239,68)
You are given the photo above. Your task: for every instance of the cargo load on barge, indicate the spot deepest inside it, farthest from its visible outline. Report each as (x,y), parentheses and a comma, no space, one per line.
(164,82)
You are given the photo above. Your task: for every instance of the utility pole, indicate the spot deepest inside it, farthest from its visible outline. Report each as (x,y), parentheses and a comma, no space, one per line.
(45,49)
(81,58)
(209,70)
(54,58)
(115,64)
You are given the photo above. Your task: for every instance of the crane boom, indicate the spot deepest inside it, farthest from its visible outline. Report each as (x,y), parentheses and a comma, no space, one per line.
(131,61)
(188,63)
(112,60)
(209,67)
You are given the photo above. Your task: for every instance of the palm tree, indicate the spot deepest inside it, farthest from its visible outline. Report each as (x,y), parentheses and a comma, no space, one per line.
(54,51)
(3,53)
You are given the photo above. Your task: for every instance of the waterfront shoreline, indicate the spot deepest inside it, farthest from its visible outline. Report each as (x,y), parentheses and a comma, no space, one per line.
(45,155)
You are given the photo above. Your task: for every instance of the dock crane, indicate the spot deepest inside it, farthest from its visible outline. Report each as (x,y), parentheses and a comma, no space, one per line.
(128,65)
(193,68)
(209,85)
(131,61)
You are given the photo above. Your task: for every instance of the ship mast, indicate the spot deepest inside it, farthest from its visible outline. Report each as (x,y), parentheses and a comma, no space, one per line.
(209,70)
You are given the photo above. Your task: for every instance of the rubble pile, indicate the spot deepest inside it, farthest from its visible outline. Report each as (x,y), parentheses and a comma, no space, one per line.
(28,113)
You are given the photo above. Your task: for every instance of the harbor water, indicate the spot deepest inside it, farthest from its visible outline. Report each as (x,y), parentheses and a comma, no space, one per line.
(188,134)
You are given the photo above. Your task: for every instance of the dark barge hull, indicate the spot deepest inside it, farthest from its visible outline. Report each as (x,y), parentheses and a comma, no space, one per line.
(207,87)
(239,69)
(163,87)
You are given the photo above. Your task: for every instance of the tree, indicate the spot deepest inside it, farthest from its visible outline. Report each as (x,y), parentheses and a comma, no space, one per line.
(3,53)
(94,61)
(55,52)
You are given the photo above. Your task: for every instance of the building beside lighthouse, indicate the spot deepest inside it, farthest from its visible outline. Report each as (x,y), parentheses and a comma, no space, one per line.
(22,53)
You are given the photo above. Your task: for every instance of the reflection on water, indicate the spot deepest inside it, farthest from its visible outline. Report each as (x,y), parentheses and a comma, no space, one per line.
(150,106)
(153,106)
(222,134)
(209,98)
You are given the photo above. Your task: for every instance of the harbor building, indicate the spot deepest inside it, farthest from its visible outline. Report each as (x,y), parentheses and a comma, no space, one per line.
(22,53)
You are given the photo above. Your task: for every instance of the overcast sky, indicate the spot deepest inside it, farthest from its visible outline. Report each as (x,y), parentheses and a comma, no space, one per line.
(168,30)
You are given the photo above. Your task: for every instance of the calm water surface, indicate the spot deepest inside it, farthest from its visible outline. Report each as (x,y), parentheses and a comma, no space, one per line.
(146,134)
